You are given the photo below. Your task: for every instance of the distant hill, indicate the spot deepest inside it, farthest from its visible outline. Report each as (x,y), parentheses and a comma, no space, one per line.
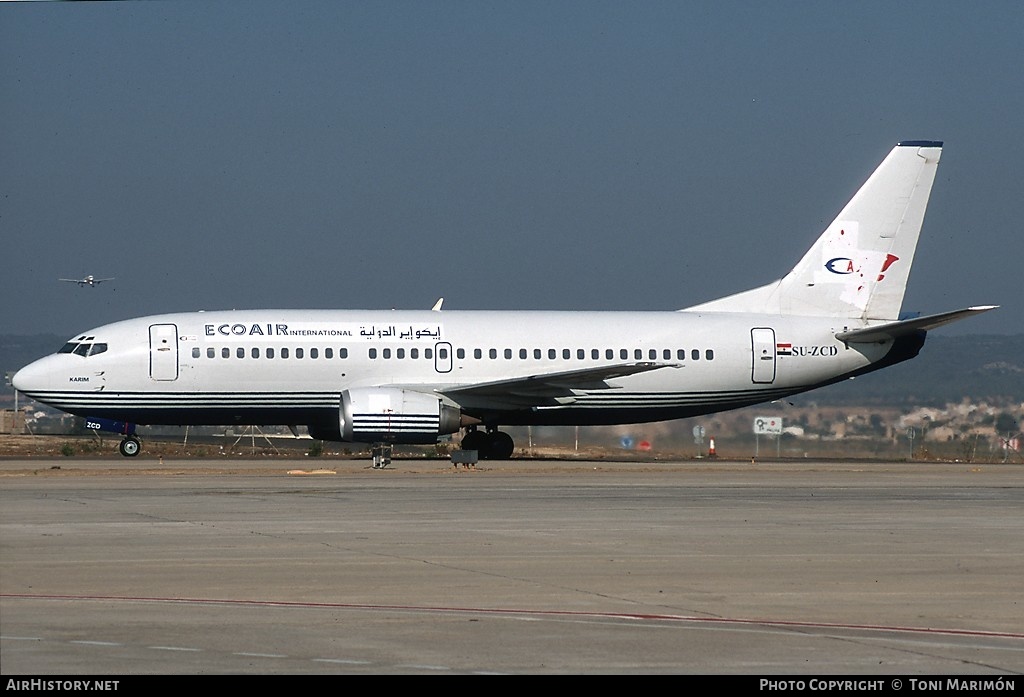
(948,369)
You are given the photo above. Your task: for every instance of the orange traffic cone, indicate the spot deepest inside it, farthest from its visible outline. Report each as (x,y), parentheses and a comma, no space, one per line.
(711,449)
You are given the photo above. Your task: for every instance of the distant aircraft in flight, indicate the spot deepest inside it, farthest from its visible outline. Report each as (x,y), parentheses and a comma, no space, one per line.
(385,377)
(90,281)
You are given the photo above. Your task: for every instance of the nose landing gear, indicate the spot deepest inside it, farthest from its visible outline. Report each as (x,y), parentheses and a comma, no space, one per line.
(129,447)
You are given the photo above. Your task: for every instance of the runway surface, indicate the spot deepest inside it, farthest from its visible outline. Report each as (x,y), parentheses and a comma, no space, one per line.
(125,567)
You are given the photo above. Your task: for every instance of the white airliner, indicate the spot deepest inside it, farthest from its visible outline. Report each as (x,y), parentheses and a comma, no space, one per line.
(90,281)
(387,377)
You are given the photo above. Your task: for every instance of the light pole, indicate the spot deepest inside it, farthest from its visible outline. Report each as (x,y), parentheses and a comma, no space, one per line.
(10,381)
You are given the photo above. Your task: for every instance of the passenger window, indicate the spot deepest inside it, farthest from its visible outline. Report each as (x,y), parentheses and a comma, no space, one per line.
(428,353)
(314,353)
(609,354)
(270,353)
(414,353)
(695,354)
(552,354)
(240,352)
(681,354)
(460,353)
(638,353)
(328,353)
(709,354)
(400,353)
(343,353)
(477,353)
(284,353)
(493,353)
(667,354)
(442,353)
(652,354)
(595,354)
(373,353)
(385,353)
(225,352)
(298,353)
(581,354)
(508,354)
(255,352)
(523,354)
(623,354)
(196,352)
(537,353)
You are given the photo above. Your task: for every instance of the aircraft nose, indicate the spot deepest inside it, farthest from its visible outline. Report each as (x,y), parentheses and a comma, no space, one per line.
(34,376)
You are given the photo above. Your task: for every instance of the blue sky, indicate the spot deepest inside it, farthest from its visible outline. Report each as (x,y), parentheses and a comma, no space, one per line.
(503,155)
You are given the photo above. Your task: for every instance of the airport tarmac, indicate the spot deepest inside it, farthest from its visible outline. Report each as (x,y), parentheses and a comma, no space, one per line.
(266,567)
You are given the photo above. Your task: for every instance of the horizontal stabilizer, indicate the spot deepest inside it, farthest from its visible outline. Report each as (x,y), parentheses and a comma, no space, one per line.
(892,330)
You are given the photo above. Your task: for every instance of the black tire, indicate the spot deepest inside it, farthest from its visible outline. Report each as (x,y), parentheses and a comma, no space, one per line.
(500,446)
(475,440)
(129,447)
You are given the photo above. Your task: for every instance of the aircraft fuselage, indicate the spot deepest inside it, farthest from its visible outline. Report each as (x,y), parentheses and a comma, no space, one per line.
(291,367)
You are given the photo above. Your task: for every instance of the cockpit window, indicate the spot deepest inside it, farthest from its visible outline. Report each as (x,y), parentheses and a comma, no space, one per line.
(83,349)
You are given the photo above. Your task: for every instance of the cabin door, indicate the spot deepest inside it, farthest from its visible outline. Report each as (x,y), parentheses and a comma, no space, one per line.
(762,340)
(163,351)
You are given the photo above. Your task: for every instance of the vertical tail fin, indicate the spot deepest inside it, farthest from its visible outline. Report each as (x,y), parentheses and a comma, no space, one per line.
(859,267)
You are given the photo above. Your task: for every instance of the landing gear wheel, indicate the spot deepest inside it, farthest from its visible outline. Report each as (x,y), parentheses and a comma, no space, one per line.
(475,440)
(129,447)
(500,446)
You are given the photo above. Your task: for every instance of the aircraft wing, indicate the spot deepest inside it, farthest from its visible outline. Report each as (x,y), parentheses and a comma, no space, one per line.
(892,330)
(544,389)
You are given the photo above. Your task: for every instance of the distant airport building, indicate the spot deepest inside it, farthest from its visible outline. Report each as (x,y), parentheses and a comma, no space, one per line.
(12,422)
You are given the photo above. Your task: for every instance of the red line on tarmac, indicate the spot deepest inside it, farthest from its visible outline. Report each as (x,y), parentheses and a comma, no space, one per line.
(542,613)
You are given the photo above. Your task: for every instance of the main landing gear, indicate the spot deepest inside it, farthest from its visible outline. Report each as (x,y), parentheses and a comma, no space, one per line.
(491,445)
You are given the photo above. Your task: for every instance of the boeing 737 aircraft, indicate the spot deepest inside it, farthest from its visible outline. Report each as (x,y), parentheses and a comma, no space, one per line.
(387,377)
(90,281)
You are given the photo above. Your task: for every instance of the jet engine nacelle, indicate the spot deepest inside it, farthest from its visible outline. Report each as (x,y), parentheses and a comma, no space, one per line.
(389,415)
